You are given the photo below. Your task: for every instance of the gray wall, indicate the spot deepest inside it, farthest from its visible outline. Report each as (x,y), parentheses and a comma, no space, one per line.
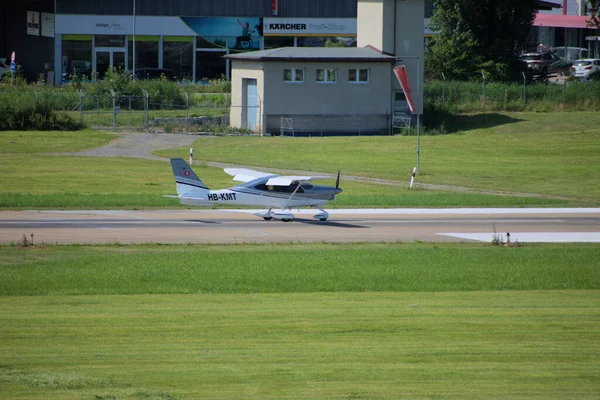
(338,107)
(32,51)
(234,8)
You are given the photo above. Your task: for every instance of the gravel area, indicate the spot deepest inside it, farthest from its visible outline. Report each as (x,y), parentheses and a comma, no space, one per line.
(139,145)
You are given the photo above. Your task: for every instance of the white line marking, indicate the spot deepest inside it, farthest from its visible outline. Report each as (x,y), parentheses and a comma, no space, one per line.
(371,211)
(540,237)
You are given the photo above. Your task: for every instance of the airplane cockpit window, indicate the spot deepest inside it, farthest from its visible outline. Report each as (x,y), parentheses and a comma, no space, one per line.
(307,186)
(281,189)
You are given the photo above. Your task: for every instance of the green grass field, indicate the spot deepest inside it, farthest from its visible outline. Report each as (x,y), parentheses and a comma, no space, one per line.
(368,321)
(556,156)
(288,321)
(552,154)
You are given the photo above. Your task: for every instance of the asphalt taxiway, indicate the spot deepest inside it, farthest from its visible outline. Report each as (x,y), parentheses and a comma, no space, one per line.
(350,225)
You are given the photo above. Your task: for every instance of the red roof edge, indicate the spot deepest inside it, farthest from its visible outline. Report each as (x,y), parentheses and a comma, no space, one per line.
(562,21)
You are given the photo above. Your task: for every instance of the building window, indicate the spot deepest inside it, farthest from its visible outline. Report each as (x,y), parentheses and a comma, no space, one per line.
(293,75)
(326,75)
(146,51)
(356,75)
(178,56)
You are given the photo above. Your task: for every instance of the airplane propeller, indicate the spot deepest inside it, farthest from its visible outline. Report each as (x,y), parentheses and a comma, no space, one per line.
(337,186)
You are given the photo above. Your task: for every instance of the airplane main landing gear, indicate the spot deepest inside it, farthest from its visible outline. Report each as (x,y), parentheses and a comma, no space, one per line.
(322,216)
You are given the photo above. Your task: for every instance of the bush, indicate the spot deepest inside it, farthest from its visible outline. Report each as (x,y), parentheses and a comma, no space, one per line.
(469,97)
(24,114)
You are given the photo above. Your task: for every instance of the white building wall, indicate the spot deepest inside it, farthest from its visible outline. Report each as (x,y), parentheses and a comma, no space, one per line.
(246,70)
(402,22)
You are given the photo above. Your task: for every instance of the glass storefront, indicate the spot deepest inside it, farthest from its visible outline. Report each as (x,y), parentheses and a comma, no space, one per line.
(323,41)
(146,52)
(178,56)
(273,42)
(210,65)
(196,56)
(76,57)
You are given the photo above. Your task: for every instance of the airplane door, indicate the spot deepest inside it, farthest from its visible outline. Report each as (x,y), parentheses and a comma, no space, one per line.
(251,104)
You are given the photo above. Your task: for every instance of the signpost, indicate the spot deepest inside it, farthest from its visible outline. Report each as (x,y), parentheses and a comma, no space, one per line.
(13,68)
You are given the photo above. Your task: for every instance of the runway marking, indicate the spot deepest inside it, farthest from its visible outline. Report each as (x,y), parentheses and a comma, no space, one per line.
(432,211)
(539,237)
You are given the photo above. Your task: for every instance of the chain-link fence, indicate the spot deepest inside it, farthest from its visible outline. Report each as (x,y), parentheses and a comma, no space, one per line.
(118,112)
(146,112)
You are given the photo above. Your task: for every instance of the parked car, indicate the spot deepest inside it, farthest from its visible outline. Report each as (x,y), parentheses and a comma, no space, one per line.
(155,73)
(582,69)
(541,63)
(4,68)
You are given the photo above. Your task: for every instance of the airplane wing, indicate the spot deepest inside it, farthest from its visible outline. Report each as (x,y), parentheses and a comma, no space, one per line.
(245,175)
(287,180)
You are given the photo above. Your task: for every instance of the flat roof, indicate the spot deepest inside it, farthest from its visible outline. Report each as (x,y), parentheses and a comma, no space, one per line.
(340,54)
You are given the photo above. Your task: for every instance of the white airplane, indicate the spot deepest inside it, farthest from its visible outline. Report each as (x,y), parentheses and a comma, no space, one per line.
(278,193)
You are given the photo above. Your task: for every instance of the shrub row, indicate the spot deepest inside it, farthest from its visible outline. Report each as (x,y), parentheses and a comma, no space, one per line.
(466,97)
(32,115)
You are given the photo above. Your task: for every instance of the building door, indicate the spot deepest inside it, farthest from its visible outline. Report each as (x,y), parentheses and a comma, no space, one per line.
(107,58)
(251,104)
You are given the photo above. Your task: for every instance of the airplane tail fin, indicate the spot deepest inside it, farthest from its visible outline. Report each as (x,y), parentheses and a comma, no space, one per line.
(188,183)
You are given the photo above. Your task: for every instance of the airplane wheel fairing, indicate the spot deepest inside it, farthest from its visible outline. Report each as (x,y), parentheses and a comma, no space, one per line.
(267,218)
(322,219)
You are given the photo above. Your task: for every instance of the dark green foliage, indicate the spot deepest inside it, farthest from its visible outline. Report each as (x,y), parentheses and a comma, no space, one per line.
(31,115)
(478,37)
(466,97)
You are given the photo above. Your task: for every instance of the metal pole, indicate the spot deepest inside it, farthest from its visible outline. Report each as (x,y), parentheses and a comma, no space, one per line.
(443,88)
(81,107)
(524,82)
(564,88)
(133,66)
(146,109)
(187,111)
(483,87)
(114,97)
(418,142)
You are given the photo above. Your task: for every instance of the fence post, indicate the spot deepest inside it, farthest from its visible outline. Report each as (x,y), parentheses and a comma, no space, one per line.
(187,111)
(483,86)
(146,110)
(524,83)
(114,98)
(564,88)
(81,107)
(443,88)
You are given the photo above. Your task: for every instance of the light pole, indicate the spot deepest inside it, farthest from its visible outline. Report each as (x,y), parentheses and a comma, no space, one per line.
(133,50)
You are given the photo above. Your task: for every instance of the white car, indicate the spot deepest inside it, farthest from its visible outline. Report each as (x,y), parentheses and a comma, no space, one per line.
(4,68)
(583,68)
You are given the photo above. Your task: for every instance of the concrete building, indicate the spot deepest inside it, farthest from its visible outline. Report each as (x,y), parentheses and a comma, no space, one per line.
(312,91)
(78,37)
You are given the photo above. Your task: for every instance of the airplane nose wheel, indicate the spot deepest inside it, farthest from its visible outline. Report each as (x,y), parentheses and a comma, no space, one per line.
(267,218)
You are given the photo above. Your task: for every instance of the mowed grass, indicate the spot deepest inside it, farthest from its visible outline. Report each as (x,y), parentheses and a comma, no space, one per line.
(32,142)
(75,270)
(546,153)
(354,321)
(66,182)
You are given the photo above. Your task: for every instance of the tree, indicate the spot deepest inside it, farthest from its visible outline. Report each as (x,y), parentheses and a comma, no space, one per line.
(479,36)
(594,17)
